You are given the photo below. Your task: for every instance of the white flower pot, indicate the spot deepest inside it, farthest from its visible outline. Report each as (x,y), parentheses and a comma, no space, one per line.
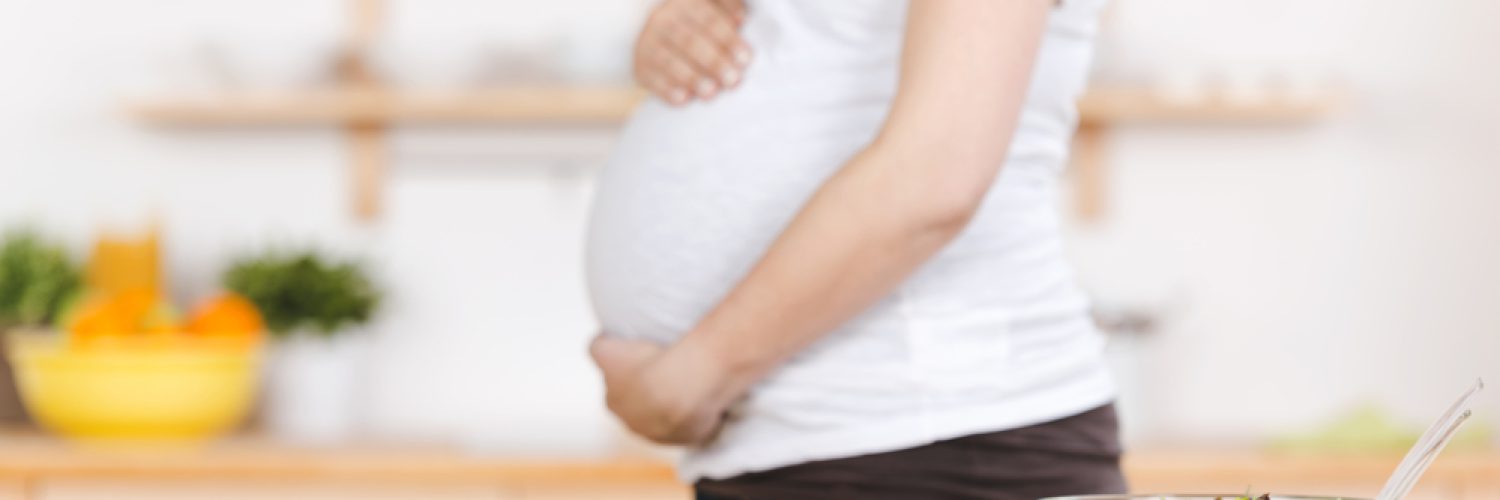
(315,386)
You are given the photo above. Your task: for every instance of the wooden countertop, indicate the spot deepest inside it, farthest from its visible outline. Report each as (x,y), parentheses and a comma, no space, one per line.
(29,457)
(32,455)
(1238,465)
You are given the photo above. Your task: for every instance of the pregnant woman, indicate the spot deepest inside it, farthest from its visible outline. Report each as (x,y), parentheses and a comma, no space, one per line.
(827,259)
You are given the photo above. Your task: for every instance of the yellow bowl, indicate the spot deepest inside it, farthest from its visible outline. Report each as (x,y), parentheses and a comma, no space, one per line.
(149,390)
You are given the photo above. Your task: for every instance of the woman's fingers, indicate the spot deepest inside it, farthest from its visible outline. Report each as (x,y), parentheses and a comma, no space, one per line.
(735,8)
(657,66)
(662,71)
(664,89)
(691,49)
(680,73)
(711,67)
(715,42)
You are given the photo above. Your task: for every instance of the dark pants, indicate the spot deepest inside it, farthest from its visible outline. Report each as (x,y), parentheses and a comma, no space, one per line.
(1071,456)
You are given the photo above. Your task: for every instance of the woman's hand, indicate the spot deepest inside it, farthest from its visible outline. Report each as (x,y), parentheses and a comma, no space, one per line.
(664,394)
(691,49)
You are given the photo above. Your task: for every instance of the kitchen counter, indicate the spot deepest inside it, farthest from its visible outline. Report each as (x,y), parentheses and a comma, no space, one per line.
(1454,476)
(35,467)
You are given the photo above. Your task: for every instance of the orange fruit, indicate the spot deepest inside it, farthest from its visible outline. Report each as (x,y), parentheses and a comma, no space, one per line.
(98,316)
(226,314)
(132,313)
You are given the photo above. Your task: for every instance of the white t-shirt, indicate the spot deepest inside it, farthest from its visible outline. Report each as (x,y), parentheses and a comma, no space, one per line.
(991,334)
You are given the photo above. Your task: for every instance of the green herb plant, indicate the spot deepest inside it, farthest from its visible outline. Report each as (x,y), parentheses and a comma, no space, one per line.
(36,279)
(304,291)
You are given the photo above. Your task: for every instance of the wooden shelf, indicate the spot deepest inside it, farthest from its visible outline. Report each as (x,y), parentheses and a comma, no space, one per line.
(530,105)
(1123,105)
(366,109)
(1105,107)
(543,105)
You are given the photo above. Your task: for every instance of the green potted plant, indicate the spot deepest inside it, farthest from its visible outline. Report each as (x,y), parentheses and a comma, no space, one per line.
(315,308)
(36,278)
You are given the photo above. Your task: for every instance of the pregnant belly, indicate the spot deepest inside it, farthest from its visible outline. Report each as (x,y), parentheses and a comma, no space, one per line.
(690,202)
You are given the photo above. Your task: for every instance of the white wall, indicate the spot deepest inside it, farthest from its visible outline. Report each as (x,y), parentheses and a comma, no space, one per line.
(1308,269)
(1305,269)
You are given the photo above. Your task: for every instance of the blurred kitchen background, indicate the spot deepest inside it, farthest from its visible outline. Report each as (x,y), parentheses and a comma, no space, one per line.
(1288,210)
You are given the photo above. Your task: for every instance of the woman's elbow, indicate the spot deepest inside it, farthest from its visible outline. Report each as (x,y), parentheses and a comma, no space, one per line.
(945,186)
(942,205)
(948,210)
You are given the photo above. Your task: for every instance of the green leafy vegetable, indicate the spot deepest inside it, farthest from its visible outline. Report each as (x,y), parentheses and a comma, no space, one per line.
(36,279)
(304,290)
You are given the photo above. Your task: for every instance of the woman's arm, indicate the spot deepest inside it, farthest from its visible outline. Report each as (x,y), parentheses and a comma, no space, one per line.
(964,75)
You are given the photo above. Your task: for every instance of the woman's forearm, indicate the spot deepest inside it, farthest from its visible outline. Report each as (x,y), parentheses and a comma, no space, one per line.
(861,234)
